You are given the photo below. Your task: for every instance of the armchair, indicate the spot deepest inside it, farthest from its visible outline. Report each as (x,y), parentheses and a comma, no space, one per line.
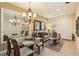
(57,37)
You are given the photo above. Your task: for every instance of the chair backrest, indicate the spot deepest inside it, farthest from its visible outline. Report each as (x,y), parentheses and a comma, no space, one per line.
(59,36)
(16,47)
(54,34)
(22,32)
(5,37)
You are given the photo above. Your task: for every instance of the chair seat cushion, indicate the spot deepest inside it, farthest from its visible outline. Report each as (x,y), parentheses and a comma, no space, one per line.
(25,51)
(20,45)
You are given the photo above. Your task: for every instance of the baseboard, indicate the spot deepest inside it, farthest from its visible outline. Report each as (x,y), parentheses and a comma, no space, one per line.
(66,39)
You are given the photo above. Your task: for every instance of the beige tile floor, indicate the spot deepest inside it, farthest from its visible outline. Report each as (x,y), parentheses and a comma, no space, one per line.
(68,49)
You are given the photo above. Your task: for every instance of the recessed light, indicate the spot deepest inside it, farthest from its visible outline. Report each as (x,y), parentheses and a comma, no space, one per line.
(60,14)
(45,13)
(57,10)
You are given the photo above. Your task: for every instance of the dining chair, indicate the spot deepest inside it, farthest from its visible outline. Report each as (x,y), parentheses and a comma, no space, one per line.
(21,52)
(59,38)
(8,44)
(39,44)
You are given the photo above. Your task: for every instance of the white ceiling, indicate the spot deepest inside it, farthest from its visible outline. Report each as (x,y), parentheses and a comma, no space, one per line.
(48,9)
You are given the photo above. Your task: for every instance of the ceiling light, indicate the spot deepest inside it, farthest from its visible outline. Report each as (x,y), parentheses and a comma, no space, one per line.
(45,13)
(60,14)
(57,10)
(29,14)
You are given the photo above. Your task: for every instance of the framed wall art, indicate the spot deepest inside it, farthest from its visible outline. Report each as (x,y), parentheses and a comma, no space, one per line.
(37,25)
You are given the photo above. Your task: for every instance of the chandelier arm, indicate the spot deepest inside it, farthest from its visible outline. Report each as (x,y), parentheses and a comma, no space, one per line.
(29,4)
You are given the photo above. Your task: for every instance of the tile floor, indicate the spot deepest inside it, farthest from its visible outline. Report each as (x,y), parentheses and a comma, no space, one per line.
(68,49)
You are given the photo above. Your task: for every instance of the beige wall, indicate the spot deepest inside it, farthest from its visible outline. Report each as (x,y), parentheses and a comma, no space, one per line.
(63,25)
(76,15)
(74,18)
(0,23)
(11,7)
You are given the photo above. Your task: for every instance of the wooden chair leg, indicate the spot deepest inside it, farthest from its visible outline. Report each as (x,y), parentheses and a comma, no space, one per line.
(8,52)
(38,49)
(43,46)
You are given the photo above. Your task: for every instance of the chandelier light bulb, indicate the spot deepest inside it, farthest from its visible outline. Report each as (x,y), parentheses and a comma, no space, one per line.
(14,20)
(18,20)
(34,15)
(11,20)
(29,14)
(28,17)
(49,28)
(24,15)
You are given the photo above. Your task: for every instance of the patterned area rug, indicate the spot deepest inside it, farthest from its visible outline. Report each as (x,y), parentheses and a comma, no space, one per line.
(54,47)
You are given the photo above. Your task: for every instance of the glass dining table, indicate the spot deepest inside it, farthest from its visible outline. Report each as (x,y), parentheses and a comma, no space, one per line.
(27,41)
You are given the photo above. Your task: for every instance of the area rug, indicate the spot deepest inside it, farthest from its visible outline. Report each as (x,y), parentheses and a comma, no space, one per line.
(54,47)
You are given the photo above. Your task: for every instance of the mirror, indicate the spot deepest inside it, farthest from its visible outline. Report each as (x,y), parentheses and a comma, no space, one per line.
(37,25)
(7,28)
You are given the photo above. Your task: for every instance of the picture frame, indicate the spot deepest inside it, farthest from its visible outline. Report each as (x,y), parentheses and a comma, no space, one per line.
(37,25)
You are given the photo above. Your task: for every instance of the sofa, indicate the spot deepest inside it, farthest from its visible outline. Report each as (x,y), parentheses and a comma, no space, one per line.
(42,34)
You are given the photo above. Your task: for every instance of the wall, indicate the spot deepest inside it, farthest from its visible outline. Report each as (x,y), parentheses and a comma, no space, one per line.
(0,23)
(77,38)
(62,25)
(11,7)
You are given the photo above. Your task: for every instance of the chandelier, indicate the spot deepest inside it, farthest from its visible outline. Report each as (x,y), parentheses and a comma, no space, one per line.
(15,21)
(29,15)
